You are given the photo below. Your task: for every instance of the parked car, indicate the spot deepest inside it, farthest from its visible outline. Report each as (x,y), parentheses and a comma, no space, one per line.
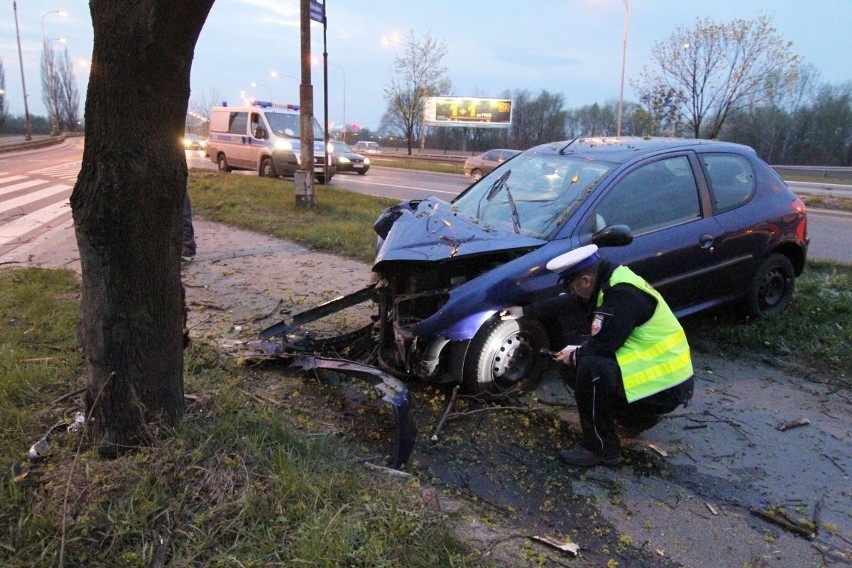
(705,222)
(478,166)
(368,147)
(347,160)
(194,142)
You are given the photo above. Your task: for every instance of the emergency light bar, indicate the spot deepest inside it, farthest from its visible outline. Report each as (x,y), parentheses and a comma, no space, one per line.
(268,104)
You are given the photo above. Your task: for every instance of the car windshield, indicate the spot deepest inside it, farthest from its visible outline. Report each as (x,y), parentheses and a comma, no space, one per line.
(533,194)
(341,147)
(287,125)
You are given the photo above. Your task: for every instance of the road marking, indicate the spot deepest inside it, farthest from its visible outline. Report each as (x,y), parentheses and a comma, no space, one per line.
(67,171)
(19,202)
(40,219)
(22,185)
(10,178)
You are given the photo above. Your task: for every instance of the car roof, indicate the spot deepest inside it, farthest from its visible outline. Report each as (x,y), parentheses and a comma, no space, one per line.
(617,150)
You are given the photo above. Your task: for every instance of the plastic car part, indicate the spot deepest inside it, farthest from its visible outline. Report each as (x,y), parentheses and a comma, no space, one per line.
(393,391)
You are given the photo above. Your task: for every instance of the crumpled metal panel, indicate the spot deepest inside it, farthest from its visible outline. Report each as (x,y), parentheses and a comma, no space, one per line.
(429,230)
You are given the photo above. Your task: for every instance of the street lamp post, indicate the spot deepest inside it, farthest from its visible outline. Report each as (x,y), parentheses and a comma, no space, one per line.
(268,90)
(62,13)
(344,98)
(623,63)
(28,126)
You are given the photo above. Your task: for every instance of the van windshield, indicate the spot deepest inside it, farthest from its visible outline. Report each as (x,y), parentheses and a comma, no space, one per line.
(287,125)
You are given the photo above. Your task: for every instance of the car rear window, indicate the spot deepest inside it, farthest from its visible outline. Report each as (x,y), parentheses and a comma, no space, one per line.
(732,180)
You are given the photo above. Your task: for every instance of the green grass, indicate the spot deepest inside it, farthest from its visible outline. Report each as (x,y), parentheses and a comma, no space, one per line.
(399,161)
(341,221)
(813,334)
(240,483)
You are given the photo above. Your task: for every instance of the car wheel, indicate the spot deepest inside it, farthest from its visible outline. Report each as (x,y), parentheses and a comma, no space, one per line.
(476,175)
(771,288)
(222,162)
(503,358)
(267,168)
(362,172)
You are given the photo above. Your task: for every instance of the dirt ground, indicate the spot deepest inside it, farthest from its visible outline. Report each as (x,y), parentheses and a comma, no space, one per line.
(697,490)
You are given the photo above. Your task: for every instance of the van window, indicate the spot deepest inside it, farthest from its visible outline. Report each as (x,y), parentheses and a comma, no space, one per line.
(286,125)
(237,122)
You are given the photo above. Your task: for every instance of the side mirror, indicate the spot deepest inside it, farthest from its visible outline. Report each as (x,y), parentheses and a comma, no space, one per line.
(613,236)
(260,133)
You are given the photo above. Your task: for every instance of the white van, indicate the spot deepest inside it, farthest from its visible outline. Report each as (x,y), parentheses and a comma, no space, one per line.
(263,137)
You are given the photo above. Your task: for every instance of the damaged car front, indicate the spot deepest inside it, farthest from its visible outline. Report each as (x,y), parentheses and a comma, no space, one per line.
(446,269)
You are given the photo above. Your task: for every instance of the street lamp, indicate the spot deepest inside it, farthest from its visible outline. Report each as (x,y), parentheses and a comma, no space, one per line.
(62,13)
(268,90)
(623,63)
(28,126)
(344,98)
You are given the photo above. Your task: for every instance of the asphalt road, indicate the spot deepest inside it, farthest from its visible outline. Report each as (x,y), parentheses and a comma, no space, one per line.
(35,186)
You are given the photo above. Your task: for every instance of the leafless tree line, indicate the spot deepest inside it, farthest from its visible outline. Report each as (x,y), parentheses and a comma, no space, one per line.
(59,90)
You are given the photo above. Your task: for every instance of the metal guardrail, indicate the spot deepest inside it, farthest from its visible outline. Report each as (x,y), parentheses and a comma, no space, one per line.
(815,171)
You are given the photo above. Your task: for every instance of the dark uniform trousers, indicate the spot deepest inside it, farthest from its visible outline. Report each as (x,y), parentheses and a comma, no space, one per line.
(599,392)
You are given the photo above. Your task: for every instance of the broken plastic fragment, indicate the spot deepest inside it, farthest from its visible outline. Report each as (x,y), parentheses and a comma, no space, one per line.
(38,450)
(564,546)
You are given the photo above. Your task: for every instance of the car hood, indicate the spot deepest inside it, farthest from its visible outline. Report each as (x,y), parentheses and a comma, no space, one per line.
(430,230)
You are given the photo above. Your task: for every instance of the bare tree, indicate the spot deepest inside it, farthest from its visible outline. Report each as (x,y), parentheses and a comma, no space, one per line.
(537,120)
(203,104)
(126,207)
(716,69)
(50,85)
(3,104)
(69,95)
(416,75)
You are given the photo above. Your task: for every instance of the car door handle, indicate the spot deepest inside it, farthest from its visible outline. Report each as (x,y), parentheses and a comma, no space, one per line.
(706,241)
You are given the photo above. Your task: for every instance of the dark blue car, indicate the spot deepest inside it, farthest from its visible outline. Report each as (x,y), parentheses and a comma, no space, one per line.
(705,222)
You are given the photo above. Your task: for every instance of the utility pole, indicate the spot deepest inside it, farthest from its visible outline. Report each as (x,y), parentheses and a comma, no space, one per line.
(28,125)
(304,176)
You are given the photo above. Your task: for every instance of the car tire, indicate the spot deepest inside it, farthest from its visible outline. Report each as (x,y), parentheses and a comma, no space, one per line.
(267,168)
(222,163)
(771,288)
(503,358)
(476,175)
(362,172)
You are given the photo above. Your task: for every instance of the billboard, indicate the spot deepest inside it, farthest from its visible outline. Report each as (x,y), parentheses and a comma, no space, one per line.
(470,112)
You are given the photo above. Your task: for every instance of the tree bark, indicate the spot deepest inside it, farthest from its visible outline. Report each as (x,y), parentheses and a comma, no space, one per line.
(126,206)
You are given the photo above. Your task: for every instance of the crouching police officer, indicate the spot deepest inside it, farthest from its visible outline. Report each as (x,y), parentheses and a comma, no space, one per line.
(633,367)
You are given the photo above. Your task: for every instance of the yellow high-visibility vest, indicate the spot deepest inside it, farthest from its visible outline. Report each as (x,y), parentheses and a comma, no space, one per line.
(656,354)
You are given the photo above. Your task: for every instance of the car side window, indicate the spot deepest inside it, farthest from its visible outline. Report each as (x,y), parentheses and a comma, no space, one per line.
(237,122)
(655,195)
(732,180)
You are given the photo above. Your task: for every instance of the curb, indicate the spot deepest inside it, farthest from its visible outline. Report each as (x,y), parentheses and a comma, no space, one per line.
(31,144)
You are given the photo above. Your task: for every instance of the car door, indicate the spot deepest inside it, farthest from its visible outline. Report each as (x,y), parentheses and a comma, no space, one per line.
(672,248)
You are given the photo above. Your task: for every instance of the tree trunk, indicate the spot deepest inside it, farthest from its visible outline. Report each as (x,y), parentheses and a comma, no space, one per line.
(126,206)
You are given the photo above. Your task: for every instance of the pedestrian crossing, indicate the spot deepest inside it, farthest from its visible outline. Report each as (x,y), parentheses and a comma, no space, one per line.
(34,203)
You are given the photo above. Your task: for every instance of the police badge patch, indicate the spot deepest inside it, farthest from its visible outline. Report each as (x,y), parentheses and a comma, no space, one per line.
(597,323)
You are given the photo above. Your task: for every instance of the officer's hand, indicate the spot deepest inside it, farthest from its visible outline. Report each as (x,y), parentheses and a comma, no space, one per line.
(566,355)
(512,313)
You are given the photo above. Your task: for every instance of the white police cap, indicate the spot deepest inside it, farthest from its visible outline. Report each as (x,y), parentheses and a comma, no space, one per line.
(575,261)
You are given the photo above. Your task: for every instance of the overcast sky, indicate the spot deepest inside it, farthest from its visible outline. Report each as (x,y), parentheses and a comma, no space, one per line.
(572,47)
